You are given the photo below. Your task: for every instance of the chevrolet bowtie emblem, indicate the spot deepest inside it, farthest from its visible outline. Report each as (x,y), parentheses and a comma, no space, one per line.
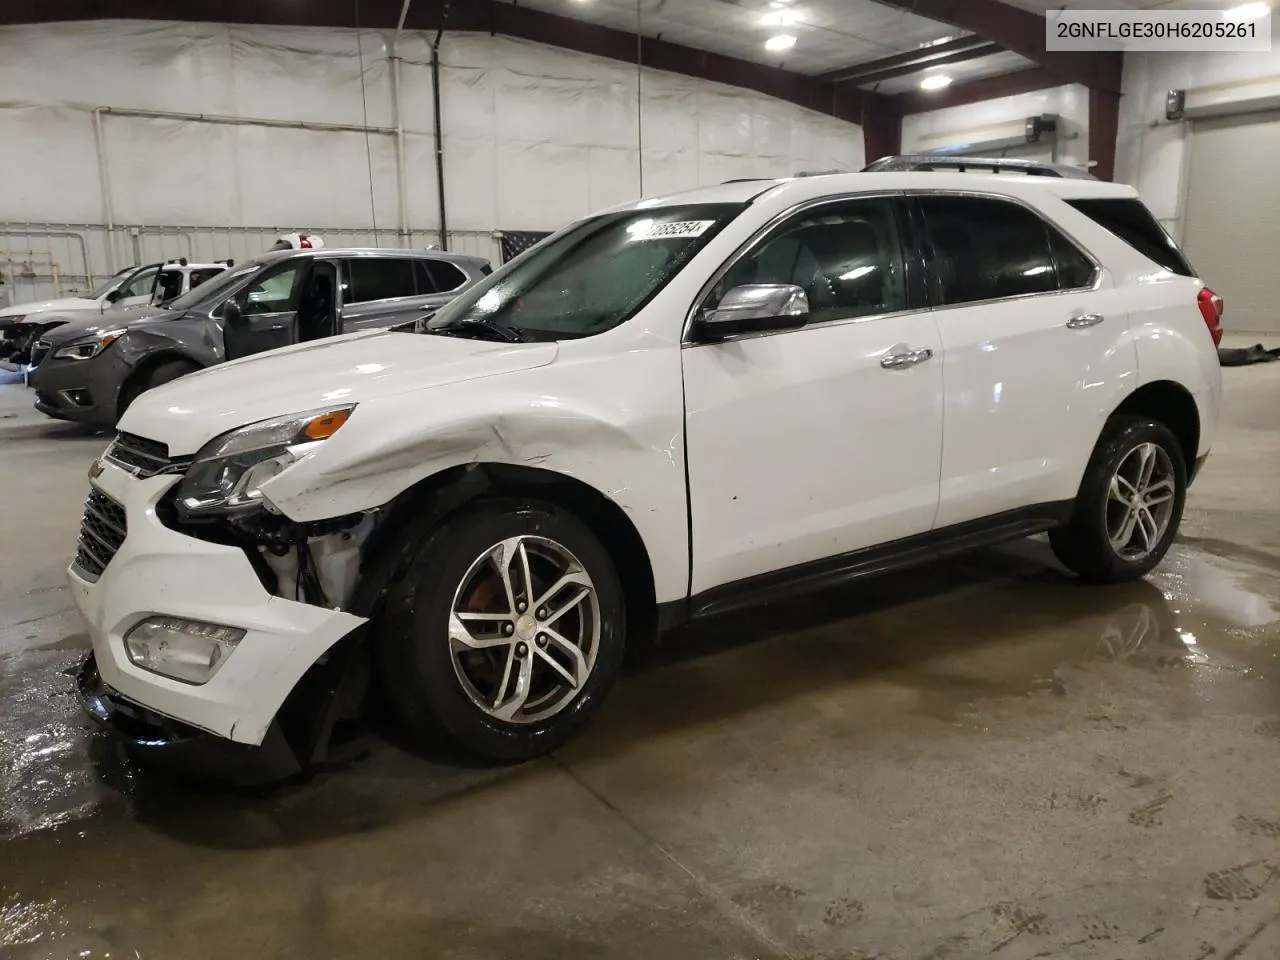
(95,470)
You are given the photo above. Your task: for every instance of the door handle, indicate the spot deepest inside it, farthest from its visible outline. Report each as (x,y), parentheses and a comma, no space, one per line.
(909,358)
(1085,320)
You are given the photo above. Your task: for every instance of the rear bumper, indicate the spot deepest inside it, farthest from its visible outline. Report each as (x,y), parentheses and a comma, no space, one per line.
(152,739)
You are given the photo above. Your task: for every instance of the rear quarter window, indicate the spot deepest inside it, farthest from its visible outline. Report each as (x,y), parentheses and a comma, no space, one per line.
(1133,223)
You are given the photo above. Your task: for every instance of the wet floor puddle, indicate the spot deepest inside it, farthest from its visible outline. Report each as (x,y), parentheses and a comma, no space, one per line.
(945,643)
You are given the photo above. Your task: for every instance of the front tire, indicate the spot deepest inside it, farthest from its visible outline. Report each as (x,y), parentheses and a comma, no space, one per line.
(505,633)
(1129,506)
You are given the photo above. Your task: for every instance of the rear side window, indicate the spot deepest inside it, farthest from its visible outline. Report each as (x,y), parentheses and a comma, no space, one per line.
(378,278)
(168,286)
(1133,223)
(438,276)
(200,276)
(986,249)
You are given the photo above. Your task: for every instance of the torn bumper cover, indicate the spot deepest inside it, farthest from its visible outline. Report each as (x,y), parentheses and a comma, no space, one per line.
(147,571)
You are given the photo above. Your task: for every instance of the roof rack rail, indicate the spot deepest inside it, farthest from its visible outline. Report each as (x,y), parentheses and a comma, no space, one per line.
(1032,168)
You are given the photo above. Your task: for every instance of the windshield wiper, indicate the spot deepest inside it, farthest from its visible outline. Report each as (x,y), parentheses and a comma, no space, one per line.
(482,329)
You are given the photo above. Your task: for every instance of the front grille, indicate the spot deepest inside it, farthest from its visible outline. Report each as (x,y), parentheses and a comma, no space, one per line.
(143,457)
(101,534)
(39,352)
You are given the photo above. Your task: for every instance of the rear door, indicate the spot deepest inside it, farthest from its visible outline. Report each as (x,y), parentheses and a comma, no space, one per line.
(268,310)
(1036,354)
(439,281)
(378,292)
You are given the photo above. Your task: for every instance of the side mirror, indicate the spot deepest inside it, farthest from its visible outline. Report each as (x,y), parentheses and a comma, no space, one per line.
(231,313)
(755,308)
(114,295)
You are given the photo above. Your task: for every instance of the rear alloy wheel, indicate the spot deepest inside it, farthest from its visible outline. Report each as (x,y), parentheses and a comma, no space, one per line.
(506,631)
(1129,505)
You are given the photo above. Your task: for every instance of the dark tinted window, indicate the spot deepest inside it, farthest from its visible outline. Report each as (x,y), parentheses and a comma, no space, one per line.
(986,249)
(200,276)
(444,275)
(846,257)
(379,278)
(168,285)
(1133,223)
(1075,270)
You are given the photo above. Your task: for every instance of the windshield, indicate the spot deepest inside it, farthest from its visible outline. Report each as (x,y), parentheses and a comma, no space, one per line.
(220,285)
(106,286)
(591,276)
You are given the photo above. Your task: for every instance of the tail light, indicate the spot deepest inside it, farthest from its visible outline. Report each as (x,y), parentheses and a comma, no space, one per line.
(1210,305)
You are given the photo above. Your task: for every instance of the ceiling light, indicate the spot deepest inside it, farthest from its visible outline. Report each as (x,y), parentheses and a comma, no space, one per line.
(935,81)
(1246,12)
(783,41)
(937,43)
(779,18)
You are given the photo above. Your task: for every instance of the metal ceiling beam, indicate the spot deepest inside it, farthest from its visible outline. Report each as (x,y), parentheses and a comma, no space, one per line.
(485,16)
(913,61)
(986,88)
(1021,32)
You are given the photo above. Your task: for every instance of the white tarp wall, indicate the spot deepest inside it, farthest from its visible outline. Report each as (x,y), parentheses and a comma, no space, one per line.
(1005,118)
(534,136)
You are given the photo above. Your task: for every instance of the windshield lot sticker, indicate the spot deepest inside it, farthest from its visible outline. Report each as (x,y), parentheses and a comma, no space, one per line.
(681,229)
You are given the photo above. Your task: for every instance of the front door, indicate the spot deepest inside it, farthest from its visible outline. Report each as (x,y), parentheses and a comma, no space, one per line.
(268,310)
(1037,355)
(810,443)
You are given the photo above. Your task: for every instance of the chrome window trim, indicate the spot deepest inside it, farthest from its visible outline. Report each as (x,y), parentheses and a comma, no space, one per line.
(753,241)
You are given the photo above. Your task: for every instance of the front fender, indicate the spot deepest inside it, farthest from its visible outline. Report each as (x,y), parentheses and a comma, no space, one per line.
(194,339)
(621,434)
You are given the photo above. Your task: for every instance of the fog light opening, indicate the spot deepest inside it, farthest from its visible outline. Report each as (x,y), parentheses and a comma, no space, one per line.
(187,650)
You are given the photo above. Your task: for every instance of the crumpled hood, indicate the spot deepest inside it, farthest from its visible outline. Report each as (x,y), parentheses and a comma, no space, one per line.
(43,306)
(189,412)
(82,324)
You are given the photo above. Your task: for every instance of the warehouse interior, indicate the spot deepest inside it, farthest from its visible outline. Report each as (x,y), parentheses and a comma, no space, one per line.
(979,757)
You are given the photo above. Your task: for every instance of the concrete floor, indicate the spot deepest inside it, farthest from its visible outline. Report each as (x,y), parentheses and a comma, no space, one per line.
(982,758)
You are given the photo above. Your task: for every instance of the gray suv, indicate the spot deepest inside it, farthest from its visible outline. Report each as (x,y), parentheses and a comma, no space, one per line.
(90,370)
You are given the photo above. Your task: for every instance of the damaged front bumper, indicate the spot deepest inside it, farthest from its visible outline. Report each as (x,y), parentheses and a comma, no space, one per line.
(154,571)
(151,738)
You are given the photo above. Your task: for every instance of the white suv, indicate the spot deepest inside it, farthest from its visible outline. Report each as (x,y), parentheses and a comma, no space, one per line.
(676,408)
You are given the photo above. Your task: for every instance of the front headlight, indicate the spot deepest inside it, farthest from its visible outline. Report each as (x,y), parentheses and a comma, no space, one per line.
(87,347)
(229,470)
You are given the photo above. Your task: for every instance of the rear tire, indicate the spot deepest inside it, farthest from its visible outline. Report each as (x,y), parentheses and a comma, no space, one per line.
(166,372)
(1129,506)
(505,669)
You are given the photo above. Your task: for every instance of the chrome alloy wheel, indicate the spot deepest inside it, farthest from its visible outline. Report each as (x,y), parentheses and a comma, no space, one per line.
(1140,501)
(524,629)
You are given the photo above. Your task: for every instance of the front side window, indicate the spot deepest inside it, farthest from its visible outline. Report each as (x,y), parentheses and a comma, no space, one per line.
(140,284)
(276,292)
(846,257)
(592,276)
(102,289)
(378,278)
(986,249)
